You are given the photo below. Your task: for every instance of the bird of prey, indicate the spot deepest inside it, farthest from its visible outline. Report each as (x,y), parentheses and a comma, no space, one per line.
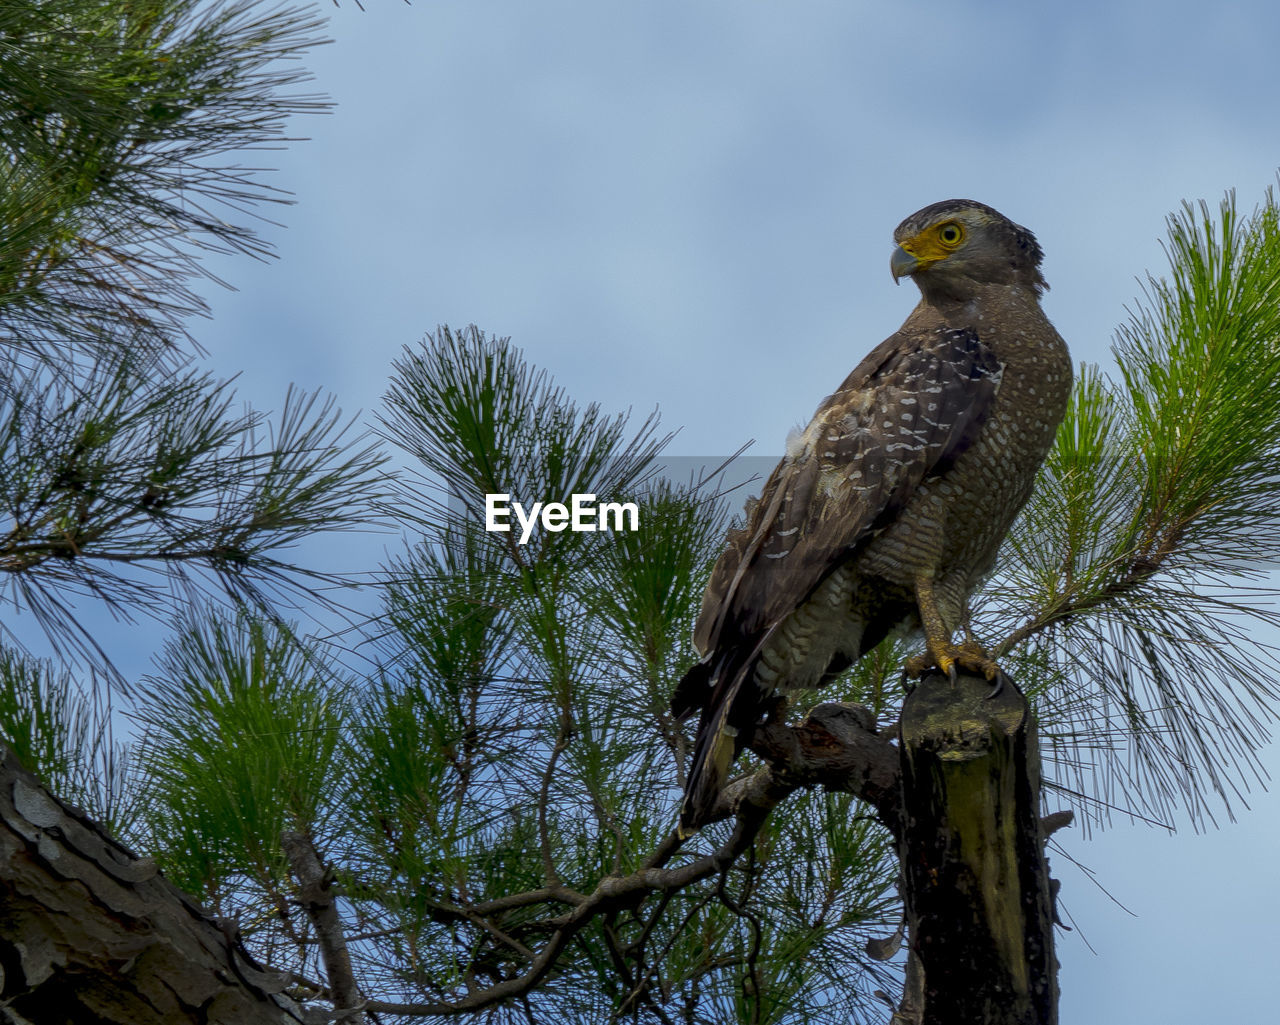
(888,509)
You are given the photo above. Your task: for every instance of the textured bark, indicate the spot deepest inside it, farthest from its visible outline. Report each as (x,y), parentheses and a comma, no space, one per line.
(975,880)
(835,747)
(89,933)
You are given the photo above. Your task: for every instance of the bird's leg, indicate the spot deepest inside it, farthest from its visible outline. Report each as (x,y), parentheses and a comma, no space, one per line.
(940,650)
(973,653)
(937,638)
(966,624)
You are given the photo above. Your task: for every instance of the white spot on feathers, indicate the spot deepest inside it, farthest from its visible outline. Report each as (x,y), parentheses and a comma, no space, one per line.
(801,443)
(795,444)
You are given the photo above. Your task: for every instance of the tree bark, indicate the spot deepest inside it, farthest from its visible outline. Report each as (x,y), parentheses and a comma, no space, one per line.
(91,933)
(979,900)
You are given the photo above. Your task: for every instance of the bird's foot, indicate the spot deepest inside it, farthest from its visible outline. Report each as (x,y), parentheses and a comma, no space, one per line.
(969,656)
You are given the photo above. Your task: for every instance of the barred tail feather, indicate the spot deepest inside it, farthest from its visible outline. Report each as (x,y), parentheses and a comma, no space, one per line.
(719,743)
(711,764)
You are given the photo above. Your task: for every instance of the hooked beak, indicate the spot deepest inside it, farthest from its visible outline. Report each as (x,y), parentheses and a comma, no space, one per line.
(902,263)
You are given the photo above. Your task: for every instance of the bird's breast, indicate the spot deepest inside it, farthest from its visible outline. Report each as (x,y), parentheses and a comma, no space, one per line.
(953,523)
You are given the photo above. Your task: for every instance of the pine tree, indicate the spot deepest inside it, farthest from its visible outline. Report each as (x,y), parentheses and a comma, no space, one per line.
(129,477)
(124,468)
(482,829)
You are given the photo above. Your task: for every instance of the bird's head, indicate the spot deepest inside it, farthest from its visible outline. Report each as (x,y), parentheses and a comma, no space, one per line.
(951,246)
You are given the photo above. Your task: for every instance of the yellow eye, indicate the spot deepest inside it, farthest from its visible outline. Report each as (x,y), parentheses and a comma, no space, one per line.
(950,234)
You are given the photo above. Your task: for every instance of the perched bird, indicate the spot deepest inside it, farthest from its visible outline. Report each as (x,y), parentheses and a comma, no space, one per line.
(887,510)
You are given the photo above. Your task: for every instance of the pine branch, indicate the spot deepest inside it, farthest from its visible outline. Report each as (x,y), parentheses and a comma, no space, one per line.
(121,137)
(1159,501)
(315,892)
(120,471)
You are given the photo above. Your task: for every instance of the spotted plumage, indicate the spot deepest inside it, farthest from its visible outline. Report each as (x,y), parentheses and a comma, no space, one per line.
(888,509)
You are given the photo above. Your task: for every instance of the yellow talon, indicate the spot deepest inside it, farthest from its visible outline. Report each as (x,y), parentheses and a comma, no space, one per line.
(939,649)
(951,658)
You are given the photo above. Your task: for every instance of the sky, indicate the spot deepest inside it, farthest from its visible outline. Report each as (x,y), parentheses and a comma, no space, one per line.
(688,205)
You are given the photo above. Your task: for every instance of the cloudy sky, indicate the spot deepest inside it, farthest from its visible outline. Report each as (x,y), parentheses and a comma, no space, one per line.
(688,205)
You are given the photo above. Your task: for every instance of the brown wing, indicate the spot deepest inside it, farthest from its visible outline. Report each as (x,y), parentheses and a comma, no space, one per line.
(904,414)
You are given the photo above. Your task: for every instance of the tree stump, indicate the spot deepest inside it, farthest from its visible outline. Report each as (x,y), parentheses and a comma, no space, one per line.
(975,881)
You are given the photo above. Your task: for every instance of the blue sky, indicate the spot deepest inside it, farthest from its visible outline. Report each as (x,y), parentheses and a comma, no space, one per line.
(689,205)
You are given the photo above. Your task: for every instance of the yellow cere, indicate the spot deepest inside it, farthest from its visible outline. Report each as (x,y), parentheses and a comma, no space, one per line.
(936,242)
